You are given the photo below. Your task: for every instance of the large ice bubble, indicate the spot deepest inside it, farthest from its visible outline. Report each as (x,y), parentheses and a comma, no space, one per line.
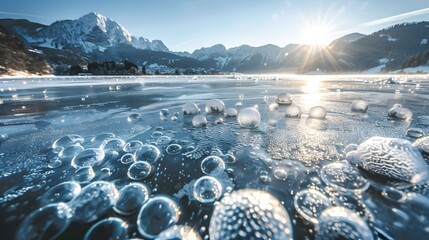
(317,112)
(45,223)
(63,192)
(131,198)
(190,108)
(93,201)
(423,145)
(213,165)
(199,121)
(207,189)
(293,111)
(156,215)
(392,157)
(249,117)
(250,214)
(139,170)
(310,203)
(284,98)
(148,153)
(66,141)
(342,223)
(88,158)
(110,228)
(215,106)
(399,112)
(343,177)
(359,106)
(179,232)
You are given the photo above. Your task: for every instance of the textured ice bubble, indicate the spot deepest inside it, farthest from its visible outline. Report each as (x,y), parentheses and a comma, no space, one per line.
(131,198)
(101,137)
(273,106)
(423,120)
(219,120)
(213,165)
(190,108)
(164,113)
(284,99)
(89,157)
(415,132)
(109,228)
(250,214)
(199,121)
(63,192)
(94,200)
(399,112)
(132,146)
(293,111)
(47,222)
(113,145)
(163,140)
(54,163)
(359,106)
(215,106)
(423,145)
(317,112)
(70,151)
(392,157)
(207,189)
(133,117)
(231,112)
(179,232)
(84,174)
(173,149)
(310,203)
(249,118)
(156,215)
(66,141)
(148,153)
(343,177)
(342,223)
(127,158)
(139,170)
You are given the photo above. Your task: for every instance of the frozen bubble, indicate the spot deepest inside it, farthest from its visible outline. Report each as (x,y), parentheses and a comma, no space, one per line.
(156,134)
(164,113)
(199,121)
(284,99)
(163,140)
(238,104)
(66,141)
(101,137)
(231,112)
(113,145)
(132,146)
(359,106)
(397,92)
(393,194)
(89,157)
(110,228)
(423,145)
(173,149)
(219,120)
(84,174)
(272,123)
(55,163)
(139,170)
(342,223)
(207,189)
(273,106)
(343,177)
(415,132)
(266,99)
(400,112)
(250,214)
(317,112)
(93,201)
(215,106)
(190,108)
(249,118)
(213,165)
(127,158)
(229,158)
(293,111)
(47,222)
(280,174)
(148,153)
(179,232)
(241,97)
(131,198)
(133,117)
(423,120)
(63,192)
(70,151)
(352,157)
(392,157)
(3,136)
(351,147)
(156,215)
(310,203)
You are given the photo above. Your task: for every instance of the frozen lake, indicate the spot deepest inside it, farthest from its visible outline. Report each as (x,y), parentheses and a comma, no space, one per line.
(188,171)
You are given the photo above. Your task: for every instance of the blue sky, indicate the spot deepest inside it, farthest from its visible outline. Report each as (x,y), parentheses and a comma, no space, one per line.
(191,24)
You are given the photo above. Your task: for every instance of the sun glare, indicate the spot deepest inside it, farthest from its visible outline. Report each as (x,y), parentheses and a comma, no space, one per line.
(317,35)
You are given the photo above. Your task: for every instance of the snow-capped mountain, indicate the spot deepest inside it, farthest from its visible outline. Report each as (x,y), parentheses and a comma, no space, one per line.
(89,33)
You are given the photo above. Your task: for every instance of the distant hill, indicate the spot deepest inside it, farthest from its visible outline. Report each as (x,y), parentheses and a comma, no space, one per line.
(15,57)
(94,37)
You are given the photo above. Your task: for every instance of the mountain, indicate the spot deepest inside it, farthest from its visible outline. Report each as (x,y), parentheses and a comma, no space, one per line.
(349,38)
(15,57)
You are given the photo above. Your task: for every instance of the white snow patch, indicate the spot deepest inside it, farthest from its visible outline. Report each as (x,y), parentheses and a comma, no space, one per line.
(389,38)
(383,60)
(420,69)
(424,41)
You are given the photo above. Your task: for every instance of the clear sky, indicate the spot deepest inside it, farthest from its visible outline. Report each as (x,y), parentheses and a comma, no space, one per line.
(185,25)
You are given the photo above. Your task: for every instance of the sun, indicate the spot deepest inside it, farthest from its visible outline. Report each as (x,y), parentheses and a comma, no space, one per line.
(317,34)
